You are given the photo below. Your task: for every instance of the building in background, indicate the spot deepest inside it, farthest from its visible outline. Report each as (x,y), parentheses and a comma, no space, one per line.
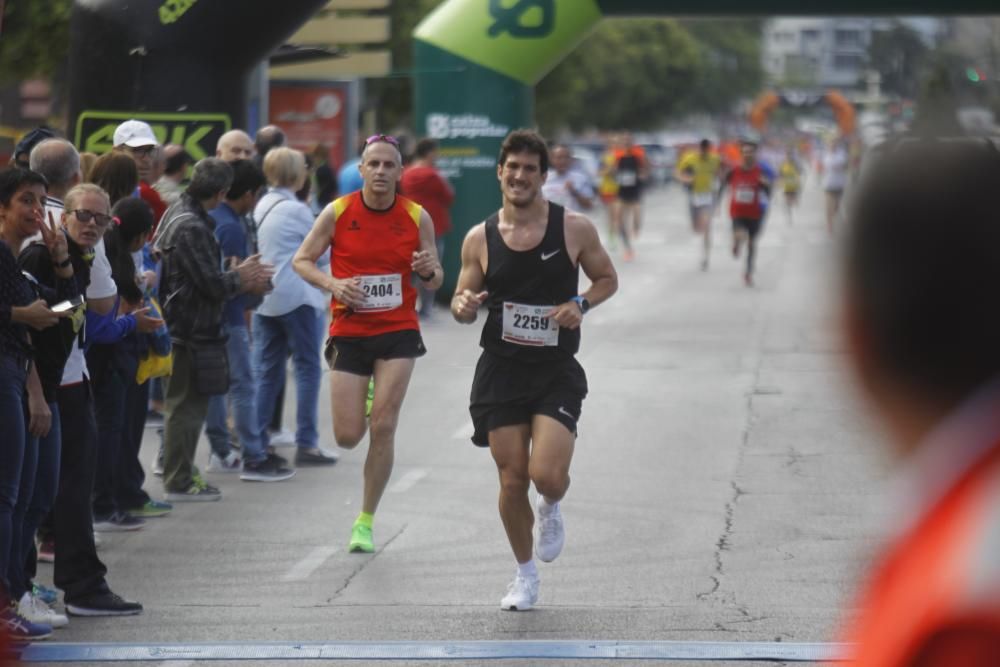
(809,52)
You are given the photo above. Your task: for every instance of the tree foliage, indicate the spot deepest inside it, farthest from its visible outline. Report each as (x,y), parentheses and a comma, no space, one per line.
(900,56)
(638,73)
(35,38)
(392,97)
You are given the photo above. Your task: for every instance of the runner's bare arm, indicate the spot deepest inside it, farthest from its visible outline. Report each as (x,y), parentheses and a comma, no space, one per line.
(426,262)
(592,258)
(347,290)
(472,278)
(583,242)
(315,244)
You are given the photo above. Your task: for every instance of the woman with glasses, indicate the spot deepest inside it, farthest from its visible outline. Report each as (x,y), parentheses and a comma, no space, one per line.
(24,312)
(78,570)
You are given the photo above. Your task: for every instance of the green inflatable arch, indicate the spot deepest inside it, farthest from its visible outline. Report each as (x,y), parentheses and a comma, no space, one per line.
(478,62)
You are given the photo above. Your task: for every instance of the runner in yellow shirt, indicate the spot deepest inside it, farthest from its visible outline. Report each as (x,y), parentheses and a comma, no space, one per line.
(699,171)
(791,182)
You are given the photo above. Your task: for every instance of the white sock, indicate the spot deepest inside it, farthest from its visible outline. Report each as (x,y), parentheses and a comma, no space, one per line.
(546,506)
(528,570)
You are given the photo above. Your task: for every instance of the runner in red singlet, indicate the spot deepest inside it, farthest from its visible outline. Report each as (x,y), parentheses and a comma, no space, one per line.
(377,241)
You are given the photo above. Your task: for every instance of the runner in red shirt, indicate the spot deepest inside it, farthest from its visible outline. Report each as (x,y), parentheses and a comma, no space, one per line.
(377,241)
(750,186)
(424,184)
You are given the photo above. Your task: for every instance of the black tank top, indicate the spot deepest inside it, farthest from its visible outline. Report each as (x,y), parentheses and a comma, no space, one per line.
(544,276)
(627,173)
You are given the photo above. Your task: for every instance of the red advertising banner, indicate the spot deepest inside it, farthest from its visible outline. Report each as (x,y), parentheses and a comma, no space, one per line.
(313,114)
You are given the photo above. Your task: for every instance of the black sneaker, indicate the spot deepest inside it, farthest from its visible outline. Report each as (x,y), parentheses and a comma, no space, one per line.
(315,457)
(117,522)
(281,460)
(268,470)
(103,604)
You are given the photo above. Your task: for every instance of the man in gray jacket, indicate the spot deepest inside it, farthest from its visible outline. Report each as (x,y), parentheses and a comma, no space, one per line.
(194,290)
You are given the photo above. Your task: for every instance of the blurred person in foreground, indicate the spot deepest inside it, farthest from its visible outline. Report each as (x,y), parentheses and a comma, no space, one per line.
(921,328)
(424,184)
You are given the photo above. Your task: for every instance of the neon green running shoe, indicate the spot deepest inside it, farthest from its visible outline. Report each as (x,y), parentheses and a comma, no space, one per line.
(361,539)
(371,398)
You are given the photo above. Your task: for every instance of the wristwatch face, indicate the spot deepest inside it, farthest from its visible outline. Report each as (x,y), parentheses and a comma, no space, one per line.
(585,305)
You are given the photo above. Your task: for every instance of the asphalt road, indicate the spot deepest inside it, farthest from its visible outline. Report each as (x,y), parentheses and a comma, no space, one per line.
(727,485)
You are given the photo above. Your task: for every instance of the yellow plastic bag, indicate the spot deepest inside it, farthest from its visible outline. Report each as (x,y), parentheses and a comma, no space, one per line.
(154,366)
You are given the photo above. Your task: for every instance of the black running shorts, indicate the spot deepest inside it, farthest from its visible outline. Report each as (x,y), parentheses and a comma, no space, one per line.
(357,355)
(751,225)
(507,392)
(630,195)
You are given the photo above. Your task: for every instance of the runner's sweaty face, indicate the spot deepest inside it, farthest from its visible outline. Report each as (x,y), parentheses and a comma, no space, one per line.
(381,168)
(521,178)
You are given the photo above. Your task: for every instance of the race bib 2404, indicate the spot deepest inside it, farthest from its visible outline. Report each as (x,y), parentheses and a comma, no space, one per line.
(382,292)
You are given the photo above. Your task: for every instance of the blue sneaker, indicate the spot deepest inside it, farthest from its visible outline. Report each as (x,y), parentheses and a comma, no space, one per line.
(19,628)
(44,593)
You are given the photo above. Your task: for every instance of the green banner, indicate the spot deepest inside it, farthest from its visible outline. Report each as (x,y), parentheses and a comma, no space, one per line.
(468,109)
(196,132)
(522,39)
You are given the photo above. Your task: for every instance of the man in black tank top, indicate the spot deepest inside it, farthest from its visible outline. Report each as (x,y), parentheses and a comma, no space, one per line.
(523,264)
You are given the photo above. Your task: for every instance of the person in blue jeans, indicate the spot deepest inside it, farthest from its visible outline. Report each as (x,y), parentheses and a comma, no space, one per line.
(290,317)
(257,464)
(24,412)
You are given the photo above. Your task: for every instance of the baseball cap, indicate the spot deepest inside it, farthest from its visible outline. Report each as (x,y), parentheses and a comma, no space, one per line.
(33,138)
(135,133)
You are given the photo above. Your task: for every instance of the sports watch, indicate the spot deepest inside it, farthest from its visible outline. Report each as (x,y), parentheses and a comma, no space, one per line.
(582,302)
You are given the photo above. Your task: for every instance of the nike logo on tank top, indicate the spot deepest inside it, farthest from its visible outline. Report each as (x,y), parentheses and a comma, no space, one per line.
(523,287)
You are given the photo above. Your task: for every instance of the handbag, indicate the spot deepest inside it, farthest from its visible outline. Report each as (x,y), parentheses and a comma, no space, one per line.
(211,366)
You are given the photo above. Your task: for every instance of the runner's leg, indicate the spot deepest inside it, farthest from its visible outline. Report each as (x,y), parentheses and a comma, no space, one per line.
(552,446)
(392,377)
(347,398)
(510,448)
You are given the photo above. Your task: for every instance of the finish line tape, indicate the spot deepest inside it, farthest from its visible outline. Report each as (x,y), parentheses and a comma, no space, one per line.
(459,650)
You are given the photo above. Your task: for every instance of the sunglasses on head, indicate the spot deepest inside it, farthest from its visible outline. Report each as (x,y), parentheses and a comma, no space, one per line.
(382,137)
(83,215)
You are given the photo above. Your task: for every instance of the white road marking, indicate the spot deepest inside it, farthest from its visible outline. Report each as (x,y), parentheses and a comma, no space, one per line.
(407,481)
(464,432)
(313,560)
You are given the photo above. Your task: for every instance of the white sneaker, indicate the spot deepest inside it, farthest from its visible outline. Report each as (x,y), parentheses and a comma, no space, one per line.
(551,533)
(32,609)
(232,463)
(282,438)
(522,594)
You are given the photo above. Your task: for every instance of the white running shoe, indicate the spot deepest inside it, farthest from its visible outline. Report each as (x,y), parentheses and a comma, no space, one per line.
(551,533)
(232,462)
(32,609)
(522,594)
(282,438)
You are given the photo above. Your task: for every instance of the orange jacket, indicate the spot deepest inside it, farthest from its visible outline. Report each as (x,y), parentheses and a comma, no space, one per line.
(934,600)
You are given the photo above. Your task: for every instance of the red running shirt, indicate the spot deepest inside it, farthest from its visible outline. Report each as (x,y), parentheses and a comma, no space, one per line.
(745,184)
(378,247)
